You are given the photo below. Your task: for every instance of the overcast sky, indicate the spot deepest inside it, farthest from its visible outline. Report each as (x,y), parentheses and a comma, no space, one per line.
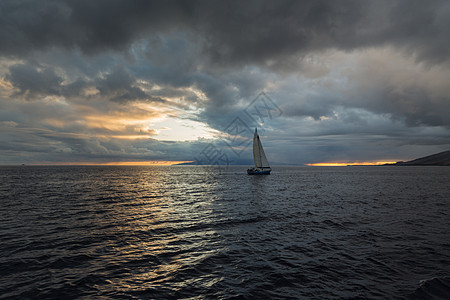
(333,81)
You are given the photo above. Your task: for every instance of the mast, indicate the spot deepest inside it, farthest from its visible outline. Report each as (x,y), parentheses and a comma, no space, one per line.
(256,150)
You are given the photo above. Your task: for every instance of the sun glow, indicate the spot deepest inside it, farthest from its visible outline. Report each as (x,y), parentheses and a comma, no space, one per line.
(344,164)
(120,163)
(172,129)
(146,163)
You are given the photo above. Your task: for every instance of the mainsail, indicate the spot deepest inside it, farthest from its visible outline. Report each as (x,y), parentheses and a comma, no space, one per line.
(258,153)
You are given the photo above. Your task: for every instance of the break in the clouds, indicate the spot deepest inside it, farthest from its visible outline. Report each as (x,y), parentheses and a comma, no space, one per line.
(101,81)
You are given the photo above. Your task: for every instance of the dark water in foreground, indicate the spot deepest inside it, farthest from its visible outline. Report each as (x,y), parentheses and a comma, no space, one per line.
(182,232)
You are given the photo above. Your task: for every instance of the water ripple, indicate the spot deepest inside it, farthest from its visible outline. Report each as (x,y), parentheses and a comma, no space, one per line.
(185,232)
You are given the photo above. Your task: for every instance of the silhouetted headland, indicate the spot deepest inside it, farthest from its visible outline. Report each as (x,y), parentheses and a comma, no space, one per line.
(438,159)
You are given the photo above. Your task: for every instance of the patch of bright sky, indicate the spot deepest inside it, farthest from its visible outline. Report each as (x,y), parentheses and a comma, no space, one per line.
(178,129)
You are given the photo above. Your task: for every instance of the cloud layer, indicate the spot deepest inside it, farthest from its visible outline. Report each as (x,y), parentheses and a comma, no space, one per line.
(103,80)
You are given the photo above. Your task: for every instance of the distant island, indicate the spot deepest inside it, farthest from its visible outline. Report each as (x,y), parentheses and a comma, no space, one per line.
(438,159)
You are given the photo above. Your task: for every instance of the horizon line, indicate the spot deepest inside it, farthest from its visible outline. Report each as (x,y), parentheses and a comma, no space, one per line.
(118,163)
(344,164)
(173,162)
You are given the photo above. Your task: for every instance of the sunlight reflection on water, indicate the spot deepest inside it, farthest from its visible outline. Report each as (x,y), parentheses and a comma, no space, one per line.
(187,231)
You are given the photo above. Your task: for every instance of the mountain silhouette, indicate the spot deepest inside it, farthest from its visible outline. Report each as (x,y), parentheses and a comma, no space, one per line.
(438,159)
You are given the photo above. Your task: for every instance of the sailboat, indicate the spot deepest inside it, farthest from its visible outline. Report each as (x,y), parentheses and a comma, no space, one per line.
(259,157)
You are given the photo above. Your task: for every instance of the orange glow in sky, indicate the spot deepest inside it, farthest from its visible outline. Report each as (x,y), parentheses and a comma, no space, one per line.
(146,163)
(343,164)
(122,163)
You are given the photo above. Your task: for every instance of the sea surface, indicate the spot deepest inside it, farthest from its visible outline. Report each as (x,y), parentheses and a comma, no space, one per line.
(195,232)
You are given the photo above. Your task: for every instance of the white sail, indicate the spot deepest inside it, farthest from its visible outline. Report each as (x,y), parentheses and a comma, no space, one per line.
(258,153)
(256,150)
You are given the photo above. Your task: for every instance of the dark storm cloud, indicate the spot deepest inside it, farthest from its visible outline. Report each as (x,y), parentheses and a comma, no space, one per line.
(231,31)
(120,86)
(90,25)
(30,81)
(116,85)
(422,27)
(214,35)
(347,75)
(414,106)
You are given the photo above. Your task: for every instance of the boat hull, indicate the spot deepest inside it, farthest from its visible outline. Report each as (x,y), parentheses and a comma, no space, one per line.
(258,172)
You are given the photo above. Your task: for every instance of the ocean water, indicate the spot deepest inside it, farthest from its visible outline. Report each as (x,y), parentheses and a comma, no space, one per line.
(185,232)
